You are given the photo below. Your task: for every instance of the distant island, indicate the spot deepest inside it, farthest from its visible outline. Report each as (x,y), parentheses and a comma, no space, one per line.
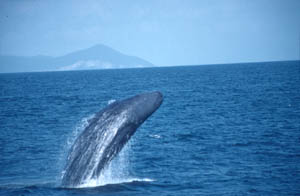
(96,57)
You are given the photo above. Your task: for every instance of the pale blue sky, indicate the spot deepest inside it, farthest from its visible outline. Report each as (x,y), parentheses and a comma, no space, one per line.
(164,32)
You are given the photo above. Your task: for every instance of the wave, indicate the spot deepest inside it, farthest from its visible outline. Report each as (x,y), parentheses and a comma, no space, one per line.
(156,136)
(97,182)
(29,184)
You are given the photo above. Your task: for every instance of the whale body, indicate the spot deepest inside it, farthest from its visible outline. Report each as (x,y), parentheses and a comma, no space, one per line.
(106,134)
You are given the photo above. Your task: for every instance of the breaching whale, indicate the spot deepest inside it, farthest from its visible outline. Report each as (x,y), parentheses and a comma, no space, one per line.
(105,135)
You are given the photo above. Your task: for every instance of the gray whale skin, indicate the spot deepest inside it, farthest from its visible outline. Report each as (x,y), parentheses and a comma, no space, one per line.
(105,135)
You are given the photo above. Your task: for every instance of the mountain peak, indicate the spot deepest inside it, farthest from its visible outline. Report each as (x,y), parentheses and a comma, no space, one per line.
(100,46)
(99,49)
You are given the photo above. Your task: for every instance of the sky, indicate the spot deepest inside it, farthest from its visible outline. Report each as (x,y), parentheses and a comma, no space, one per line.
(164,32)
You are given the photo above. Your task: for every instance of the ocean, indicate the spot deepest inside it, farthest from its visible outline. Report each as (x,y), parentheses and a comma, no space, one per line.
(229,129)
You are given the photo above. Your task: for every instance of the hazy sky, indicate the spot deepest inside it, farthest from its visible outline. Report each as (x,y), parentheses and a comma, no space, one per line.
(164,32)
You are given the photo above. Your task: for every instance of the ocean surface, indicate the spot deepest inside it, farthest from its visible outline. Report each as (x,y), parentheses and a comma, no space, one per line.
(222,130)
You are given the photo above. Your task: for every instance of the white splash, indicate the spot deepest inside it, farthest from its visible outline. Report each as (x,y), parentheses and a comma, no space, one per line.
(70,140)
(111,101)
(118,171)
(96,183)
(78,129)
(105,139)
(156,136)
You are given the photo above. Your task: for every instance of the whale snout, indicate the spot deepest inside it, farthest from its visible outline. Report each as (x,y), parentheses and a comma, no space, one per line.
(156,99)
(152,101)
(145,104)
(159,96)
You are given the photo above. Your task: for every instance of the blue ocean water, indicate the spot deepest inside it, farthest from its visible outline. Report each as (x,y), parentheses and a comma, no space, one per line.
(221,130)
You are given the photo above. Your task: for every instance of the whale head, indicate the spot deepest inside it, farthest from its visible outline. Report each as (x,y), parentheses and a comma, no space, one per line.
(143,105)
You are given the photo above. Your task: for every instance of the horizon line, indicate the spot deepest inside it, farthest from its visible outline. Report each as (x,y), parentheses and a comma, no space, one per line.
(155,66)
